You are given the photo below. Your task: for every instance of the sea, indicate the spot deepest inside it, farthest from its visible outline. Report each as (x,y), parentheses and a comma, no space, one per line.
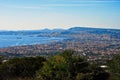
(20,40)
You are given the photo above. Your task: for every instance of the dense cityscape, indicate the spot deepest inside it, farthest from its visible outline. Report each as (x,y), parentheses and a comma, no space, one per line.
(93,43)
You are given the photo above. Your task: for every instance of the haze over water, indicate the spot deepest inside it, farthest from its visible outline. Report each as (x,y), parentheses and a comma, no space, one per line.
(20,40)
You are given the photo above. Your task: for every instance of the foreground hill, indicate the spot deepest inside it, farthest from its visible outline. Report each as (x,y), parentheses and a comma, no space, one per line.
(64,66)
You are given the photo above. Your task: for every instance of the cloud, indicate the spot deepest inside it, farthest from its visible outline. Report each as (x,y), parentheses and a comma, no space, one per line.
(67,5)
(44,6)
(54,3)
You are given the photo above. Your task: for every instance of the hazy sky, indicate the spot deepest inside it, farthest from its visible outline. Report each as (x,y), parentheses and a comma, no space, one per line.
(39,14)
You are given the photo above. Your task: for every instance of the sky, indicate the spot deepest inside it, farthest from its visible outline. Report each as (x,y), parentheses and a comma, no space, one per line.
(40,14)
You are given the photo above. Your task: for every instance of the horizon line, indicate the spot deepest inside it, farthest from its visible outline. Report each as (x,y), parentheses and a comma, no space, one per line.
(58,28)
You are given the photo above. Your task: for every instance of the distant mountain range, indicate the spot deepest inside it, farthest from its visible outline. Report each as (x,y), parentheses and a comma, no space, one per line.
(63,32)
(29,32)
(57,30)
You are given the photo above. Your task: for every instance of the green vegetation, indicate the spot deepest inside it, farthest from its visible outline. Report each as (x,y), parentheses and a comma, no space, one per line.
(20,67)
(64,66)
(114,67)
(1,58)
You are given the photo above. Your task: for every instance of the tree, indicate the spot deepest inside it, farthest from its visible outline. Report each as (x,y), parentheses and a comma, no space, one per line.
(114,67)
(64,66)
(1,59)
(53,69)
(114,64)
(21,67)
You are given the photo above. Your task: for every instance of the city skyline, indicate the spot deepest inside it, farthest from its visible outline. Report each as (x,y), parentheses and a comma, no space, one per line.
(40,14)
